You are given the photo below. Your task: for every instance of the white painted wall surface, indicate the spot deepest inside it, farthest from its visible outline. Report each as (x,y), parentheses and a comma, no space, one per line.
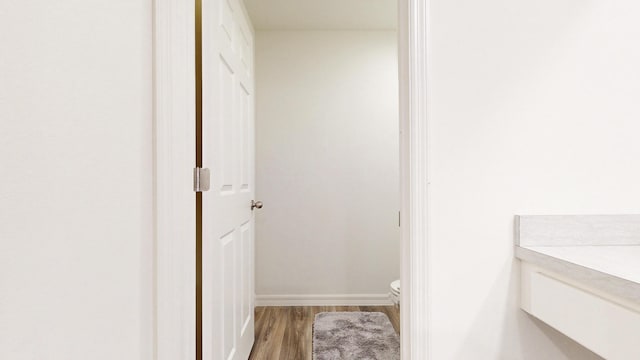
(76,180)
(534,111)
(327,162)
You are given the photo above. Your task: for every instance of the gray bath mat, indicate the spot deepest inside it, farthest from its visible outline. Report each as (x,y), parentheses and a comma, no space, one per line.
(354,336)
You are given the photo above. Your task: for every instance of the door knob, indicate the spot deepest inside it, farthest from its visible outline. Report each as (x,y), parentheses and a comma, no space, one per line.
(256,204)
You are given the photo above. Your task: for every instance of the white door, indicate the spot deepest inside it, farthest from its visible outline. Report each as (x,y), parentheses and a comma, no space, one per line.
(228,235)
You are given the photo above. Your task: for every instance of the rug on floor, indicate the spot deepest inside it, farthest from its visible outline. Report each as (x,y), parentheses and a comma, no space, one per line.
(354,336)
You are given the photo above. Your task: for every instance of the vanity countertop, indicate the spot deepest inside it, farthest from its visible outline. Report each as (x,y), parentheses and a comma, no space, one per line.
(598,250)
(611,268)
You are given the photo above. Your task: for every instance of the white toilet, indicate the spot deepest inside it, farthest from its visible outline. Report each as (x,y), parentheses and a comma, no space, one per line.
(394,293)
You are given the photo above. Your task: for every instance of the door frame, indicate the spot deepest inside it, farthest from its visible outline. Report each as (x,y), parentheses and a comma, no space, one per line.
(413,65)
(175,201)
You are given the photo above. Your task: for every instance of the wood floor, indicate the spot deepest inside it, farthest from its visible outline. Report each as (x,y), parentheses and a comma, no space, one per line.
(284,333)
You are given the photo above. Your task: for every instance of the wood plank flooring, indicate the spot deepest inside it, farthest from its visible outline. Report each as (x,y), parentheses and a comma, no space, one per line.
(284,333)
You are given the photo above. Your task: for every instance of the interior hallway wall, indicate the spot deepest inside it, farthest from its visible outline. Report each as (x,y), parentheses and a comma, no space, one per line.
(534,111)
(76,180)
(327,163)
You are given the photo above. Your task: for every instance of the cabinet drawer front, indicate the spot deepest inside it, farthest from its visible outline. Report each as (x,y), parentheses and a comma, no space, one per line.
(601,325)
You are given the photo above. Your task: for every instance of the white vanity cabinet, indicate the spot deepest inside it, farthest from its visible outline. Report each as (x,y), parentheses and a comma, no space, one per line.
(584,285)
(605,324)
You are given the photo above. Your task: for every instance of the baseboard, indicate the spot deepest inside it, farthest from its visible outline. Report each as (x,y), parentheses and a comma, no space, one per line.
(324,300)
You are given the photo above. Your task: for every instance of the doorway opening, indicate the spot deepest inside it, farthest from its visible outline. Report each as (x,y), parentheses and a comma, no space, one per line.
(327,164)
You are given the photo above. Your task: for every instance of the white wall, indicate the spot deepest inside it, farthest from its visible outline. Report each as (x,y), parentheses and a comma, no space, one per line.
(76,180)
(534,111)
(327,162)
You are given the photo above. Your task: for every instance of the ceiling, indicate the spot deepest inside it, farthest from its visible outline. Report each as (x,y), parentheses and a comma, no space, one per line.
(322,14)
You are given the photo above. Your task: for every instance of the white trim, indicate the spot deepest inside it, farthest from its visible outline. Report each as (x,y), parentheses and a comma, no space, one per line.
(414,116)
(324,300)
(174,130)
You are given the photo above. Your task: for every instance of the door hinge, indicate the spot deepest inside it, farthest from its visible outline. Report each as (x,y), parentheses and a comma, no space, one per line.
(201,179)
